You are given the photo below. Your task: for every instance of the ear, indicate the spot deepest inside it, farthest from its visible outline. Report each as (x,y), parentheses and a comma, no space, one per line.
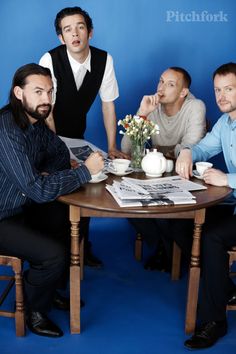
(60,36)
(91,34)
(184,92)
(18,92)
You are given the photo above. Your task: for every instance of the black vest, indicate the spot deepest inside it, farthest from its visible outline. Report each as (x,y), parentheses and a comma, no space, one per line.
(71,105)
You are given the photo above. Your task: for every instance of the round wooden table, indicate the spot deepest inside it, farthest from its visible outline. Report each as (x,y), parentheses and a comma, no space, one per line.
(93,200)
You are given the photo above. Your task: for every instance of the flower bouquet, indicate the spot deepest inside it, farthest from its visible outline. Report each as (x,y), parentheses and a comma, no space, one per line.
(139,129)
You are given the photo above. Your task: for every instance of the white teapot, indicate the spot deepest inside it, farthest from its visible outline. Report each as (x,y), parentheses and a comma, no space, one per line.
(154,163)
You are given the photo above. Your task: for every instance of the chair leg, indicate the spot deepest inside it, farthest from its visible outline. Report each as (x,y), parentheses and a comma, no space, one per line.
(19,313)
(176,261)
(138,247)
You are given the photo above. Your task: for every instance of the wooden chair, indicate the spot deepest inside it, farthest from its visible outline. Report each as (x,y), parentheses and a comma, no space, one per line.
(232,258)
(19,315)
(176,256)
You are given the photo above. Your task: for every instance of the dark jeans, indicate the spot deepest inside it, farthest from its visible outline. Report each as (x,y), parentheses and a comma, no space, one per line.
(40,235)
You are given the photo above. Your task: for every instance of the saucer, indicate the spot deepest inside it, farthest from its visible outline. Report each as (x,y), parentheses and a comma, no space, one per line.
(196,174)
(101,178)
(128,171)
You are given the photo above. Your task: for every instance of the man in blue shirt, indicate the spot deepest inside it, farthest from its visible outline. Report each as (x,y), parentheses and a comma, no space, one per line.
(219,235)
(34,171)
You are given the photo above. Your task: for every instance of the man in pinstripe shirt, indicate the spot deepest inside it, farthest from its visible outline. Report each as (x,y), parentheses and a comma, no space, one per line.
(34,171)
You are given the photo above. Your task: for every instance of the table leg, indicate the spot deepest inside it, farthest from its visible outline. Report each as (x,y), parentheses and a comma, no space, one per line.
(75,271)
(194,273)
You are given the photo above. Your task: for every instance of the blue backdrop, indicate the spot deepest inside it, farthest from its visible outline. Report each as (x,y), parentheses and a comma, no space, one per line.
(143,36)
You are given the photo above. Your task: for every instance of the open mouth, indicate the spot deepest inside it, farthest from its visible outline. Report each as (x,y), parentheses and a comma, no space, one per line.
(75,43)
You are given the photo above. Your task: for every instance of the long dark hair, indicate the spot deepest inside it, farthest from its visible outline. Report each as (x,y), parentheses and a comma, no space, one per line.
(19,79)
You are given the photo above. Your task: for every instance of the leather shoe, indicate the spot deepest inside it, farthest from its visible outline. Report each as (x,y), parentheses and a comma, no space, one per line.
(92,261)
(158,261)
(207,335)
(41,325)
(232,299)
(63,303)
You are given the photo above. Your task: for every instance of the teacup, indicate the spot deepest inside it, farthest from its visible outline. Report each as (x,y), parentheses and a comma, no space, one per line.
(96,176)
(169,165)
(120,165)
(202,166)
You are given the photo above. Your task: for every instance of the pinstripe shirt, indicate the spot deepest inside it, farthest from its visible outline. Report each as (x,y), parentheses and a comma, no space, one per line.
(24,155)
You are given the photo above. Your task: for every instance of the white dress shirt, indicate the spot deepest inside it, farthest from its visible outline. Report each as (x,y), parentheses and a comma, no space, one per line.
(109,88)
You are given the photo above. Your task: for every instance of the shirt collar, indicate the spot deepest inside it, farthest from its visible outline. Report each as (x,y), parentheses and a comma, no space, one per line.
(75,65)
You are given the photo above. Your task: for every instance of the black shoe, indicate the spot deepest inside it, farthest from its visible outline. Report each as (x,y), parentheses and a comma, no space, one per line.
(63,303)
(41,325)
(207,335)
(158,262)
(232,299)
(92,261)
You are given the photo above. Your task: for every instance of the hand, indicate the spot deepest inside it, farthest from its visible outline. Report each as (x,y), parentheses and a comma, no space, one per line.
(95,162)
(114,153)
(148,104)
(184,164)
(74,164)
(215,177)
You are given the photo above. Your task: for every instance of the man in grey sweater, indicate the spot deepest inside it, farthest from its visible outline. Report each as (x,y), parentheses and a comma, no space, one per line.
(181,120)
(179,115)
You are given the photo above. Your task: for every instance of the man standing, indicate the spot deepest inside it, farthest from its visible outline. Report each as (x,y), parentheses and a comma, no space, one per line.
(34,172)
(219,235)
(79,72)
(181,120)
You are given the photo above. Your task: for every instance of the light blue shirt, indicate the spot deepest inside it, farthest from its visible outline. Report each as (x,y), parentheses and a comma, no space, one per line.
(222,138)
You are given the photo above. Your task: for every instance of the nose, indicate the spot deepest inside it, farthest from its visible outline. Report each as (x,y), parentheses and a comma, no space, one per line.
(74,32)
(47,98)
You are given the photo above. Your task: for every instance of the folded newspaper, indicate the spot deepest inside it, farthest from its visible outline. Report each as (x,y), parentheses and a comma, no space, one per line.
(80,149)
(173,190)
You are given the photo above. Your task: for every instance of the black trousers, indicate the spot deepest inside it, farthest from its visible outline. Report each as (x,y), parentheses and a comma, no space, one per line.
(156,231)
(40,235)
(219,235)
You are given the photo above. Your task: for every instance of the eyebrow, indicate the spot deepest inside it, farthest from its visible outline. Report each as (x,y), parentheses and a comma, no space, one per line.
(42,89)
(161,78)
(77,23)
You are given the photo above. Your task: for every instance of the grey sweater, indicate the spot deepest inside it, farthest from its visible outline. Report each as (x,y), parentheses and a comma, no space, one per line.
(186,127)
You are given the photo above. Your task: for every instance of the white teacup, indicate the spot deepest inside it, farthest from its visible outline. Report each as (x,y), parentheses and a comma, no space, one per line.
(96,176)
(202,166)
(169,165)
(120,165)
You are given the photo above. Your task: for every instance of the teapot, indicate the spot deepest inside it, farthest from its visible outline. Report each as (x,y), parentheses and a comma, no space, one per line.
(154,163)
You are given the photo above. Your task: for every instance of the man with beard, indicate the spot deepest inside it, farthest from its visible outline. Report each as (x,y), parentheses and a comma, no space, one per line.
(80,72)
(34,172)
(219,234)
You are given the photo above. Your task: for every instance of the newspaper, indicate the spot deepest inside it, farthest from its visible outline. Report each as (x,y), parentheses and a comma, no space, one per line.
(80,149)
(160,191)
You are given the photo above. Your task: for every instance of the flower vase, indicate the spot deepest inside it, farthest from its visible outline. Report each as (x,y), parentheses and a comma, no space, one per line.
(137,153)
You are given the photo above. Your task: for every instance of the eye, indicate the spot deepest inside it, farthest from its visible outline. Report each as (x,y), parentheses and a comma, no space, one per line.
(228,89)
(38,92)
(217,90)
